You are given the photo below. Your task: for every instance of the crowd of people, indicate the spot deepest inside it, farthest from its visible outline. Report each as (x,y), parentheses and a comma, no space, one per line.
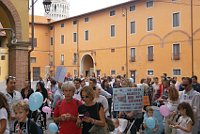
(83,104)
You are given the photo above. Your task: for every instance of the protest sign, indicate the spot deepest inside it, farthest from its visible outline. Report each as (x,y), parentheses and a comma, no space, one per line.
(60,73)
(128,99)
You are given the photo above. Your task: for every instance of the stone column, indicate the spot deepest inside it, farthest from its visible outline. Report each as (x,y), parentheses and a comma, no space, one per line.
(18,62)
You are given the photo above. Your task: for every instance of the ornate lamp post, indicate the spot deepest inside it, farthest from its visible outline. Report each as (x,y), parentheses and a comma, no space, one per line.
(47,6)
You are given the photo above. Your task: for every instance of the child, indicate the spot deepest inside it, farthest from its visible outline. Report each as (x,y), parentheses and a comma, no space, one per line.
(4,115)
(149,113)
(117,127)
(23,125)
(186,120)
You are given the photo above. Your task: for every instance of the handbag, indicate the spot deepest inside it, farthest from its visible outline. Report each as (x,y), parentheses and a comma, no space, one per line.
(97,130)
(110,125)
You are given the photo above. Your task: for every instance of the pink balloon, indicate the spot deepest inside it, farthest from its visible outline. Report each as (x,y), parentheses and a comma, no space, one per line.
(26,100)
(164,110)
(46,109)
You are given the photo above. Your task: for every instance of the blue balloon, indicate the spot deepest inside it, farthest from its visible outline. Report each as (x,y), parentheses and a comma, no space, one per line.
(53,127)
(35,101)
(150,122)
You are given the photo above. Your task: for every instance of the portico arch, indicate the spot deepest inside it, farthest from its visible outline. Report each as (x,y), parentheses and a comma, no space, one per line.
(87,66)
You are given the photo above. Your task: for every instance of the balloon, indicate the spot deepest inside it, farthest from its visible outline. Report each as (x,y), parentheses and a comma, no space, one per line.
(26,100)
(35,101)
(150,122)
(53,127)
(164,110)
(46,109)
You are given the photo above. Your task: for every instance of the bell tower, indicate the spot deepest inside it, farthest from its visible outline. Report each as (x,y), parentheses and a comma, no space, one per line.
(59,10)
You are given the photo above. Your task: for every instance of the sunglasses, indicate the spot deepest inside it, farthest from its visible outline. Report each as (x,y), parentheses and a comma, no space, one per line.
(83,97)
(12,77)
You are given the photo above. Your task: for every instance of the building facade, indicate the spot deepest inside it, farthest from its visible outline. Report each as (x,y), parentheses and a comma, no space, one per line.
(136,38)
(14,40)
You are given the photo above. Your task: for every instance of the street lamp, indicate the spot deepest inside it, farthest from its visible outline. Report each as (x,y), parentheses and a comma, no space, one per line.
(47,6)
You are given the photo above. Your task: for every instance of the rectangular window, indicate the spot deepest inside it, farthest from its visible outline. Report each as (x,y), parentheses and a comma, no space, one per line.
(149,3)
(132,55)
(113,72)
(62,59)
(176,71)
(98,73)
(3,57)
(112,12)
(150,53)
(149,24)
(132,8)
(36,73)
(132,27)
(62,25)
(51,60)
(112,30)
(176,19)
(86,35)
(34,41)
(74,22)
(62,39)
(112,50)
(75,37)
(176,51)
(51,40)
(33,59)
(86,19)
(75,58)
(75,72)
(51,27)
(150,72)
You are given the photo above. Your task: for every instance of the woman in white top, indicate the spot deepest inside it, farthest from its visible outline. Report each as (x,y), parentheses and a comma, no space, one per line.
(101,99)
(186,120)
(4,115)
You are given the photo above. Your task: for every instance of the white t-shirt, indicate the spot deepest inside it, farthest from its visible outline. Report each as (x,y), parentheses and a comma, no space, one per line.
(183,122)
(104,102)
(4,115)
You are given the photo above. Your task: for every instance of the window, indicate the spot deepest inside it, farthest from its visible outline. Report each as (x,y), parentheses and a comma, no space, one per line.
(33,59)
(132,59)
(62,39)
(149,3)
(62,59)
(51,40)
(51,60)
(176,71)
(150,53)
(51,27)
(75,37)
(86,35)
(112,30)
(74,22)
(0,70)
(3,57)
(113,72)
(75,72)
(98,72)
(132,8)
(36,73)
(132,27)
(176,51)
(34,41)
(176,19)
(75,58)
(150,72)
(112,12)
(86,19)
(112,50)
(62,25)
(149,24)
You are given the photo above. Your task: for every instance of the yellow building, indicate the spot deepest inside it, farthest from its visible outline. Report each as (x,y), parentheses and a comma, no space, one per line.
(137,38)
(14,40)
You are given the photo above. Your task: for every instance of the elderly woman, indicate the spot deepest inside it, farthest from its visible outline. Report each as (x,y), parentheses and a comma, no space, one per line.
(66,111)
(93,113)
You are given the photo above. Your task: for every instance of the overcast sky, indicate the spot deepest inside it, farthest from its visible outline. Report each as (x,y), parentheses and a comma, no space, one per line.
(79,6)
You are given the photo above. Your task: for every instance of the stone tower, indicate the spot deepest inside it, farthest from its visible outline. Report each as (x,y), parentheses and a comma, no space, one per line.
(59,10)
